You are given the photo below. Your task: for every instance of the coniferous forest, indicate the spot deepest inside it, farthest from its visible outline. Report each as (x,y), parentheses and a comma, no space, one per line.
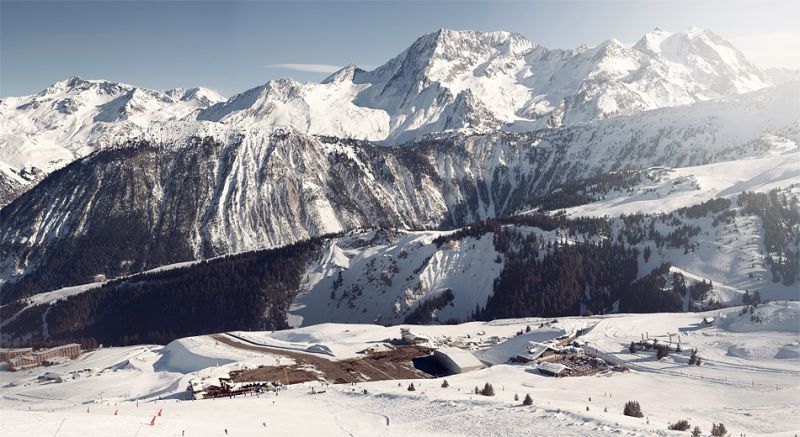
(553,265)
(780,217)
(250,291)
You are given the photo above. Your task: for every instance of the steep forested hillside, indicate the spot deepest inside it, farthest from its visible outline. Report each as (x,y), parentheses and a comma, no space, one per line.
(526,265)
(250,291)
(780,216)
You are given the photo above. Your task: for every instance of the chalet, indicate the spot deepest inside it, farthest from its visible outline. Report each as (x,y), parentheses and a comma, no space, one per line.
(553,369)
(196,388)
(228,387)
(406,337)
(535,350)
(381,347)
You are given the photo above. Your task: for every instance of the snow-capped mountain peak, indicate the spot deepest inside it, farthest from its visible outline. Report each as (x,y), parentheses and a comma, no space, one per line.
(512,82)
(446,80)
(463,44)
(709,59)
(200,95)
(49,129)
(75,84)
(345,74)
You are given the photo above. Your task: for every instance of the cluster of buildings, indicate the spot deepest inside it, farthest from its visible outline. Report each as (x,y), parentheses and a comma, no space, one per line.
(24,358)
(560,356)
(207,388)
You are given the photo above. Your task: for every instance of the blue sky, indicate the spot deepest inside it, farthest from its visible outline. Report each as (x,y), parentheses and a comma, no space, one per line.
(231,46)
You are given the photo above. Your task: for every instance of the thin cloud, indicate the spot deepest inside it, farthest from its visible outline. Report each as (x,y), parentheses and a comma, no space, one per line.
(309,68)
(775,49)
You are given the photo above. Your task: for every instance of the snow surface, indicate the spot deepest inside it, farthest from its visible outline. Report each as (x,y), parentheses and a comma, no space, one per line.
(191,354)
(461,358)
(748,381)
(383,278)
(668,189)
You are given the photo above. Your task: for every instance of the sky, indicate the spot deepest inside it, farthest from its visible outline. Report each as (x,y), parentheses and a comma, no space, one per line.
(233,46)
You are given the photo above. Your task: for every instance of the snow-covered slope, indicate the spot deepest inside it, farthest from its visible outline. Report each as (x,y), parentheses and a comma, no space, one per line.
(381,277)
(666,189)
(394,276)
(748,381)
(391,277)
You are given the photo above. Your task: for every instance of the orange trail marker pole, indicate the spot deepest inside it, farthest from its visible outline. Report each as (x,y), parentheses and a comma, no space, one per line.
(153,422)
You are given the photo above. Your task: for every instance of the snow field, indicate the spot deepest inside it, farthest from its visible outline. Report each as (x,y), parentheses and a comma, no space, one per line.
(751,392)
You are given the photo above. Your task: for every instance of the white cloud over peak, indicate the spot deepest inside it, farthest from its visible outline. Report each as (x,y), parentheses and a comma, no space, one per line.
(310,68)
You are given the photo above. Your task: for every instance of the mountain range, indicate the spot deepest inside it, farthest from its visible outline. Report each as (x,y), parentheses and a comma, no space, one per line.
(445,81)
(104,180)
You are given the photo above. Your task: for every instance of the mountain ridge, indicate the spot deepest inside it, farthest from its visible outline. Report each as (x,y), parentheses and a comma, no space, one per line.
(188,192)
(444,81)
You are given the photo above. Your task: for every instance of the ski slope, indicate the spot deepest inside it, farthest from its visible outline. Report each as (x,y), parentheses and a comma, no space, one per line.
(381,276)
(749,380)
(668,189)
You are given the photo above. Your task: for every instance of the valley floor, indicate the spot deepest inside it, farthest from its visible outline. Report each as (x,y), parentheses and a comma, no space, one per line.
(749,380)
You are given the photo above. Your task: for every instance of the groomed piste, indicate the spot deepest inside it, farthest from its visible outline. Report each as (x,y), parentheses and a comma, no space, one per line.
(747,379)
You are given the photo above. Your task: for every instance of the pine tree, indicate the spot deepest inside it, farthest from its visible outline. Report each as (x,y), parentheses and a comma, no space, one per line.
(693,358)
(488,390)
(516,397)
(528,400)
(445,384)
(411,387)
(662,352)
(681,425)
(632,348)
(718,430)
(696,432)
(633,409)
